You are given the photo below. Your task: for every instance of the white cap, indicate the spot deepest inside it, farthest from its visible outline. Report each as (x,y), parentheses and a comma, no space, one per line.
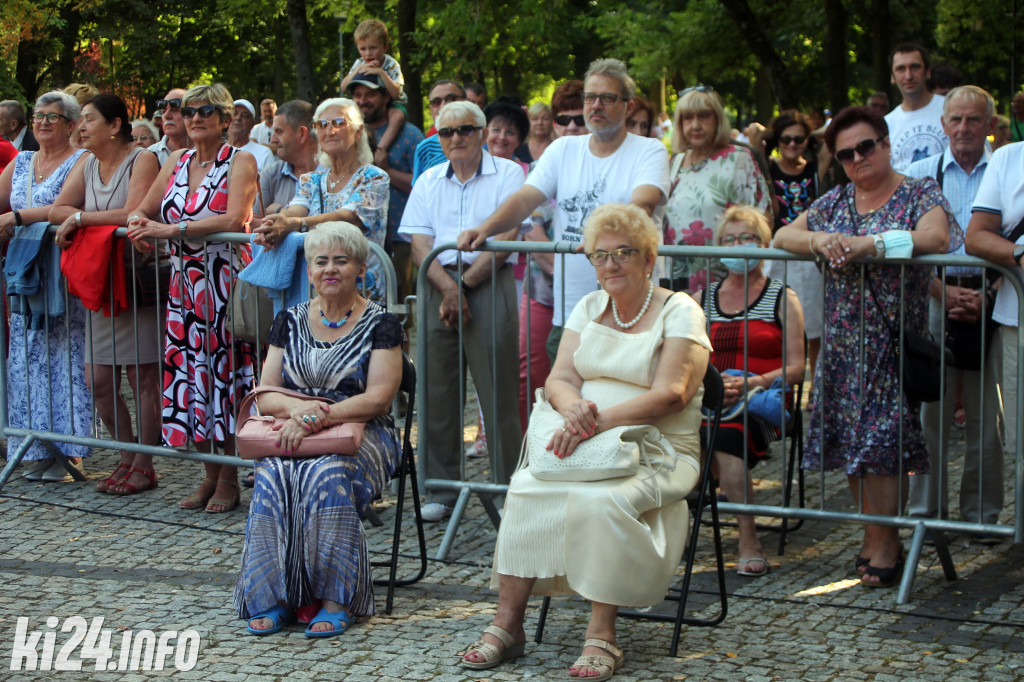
(247,104)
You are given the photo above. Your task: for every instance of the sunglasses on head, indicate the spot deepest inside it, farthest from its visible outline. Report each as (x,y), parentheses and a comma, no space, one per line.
(172,103)
(51,117)
(792,139)
(697,88)
(333,122)
(447,99)
(865,148)
(463,131)
(564,120)
(205,111)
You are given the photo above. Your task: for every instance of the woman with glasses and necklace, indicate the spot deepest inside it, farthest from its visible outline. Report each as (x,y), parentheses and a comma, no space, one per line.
(46,382)
(860,423)
(351,189)
(200,191)
(707,174)
(752,319)
(632,353)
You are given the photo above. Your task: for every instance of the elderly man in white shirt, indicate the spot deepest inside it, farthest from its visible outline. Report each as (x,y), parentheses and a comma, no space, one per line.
(447,199)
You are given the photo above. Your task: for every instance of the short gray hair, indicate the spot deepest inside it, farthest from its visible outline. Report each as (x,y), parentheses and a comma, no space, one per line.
(148,126)
(15,110)
(336,233)
(354,117)
(461,109)
(612,68)
(68,104)
(973,94)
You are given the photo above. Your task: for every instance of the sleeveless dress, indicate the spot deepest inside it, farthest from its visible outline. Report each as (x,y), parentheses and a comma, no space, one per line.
(304,537)
(206,372)
(112,340)
(617,541)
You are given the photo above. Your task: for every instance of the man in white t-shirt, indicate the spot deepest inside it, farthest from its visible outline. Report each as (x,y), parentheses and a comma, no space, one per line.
(608,166)
(993,234)
(262,131)
(915,126)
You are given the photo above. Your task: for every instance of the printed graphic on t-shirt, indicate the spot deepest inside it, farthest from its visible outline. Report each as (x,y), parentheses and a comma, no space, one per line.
(917,142)
(578,207)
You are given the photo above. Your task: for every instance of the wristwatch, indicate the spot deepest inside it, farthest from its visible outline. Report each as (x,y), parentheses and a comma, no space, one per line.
(1018,253)
(879,246)
(303,225)
(182,226)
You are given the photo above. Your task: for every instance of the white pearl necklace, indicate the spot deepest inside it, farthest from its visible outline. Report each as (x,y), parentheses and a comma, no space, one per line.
(643,309)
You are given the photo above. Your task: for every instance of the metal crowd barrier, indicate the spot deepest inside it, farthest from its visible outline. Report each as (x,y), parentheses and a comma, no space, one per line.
(48,438)
(487,491)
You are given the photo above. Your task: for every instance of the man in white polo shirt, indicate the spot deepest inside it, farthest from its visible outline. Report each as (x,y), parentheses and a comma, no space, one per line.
(447,199)
(608,166)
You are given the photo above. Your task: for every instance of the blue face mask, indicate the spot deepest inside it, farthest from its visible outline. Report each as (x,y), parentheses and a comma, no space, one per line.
(740,265)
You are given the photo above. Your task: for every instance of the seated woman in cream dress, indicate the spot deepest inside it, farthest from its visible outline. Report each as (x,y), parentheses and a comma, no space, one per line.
(632,353)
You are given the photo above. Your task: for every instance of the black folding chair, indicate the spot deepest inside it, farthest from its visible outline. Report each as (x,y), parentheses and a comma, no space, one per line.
(406,468)
(706,496)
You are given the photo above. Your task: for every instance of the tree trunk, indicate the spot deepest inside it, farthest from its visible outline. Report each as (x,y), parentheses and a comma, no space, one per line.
(27,71)
(753,31)
(299,25)
(880,22)
(835,54)
(410,65)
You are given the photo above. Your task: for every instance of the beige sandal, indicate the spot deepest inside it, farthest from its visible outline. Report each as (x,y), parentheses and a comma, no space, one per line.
(604,665)
(493,656)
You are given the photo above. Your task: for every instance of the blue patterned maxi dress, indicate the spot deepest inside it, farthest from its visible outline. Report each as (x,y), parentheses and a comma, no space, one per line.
(304,538)
(46,387)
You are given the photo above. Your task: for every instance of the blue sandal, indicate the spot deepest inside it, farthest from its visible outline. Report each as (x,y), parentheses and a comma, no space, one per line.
(340,620)
(279,615)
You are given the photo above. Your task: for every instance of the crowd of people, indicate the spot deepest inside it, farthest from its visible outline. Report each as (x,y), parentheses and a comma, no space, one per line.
(616,339)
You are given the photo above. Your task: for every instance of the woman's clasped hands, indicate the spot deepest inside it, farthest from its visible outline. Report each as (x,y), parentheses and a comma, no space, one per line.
(581,422)
(306,418)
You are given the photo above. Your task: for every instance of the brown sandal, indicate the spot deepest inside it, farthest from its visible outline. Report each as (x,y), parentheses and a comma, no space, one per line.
(227,503)
(198,500)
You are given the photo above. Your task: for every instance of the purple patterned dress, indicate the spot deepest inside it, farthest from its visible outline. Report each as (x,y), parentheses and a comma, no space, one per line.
(860,397)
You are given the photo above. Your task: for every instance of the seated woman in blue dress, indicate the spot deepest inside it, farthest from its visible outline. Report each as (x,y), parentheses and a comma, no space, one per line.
(304,540)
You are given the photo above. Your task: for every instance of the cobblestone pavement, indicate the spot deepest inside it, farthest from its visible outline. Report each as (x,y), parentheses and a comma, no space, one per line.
(141,563)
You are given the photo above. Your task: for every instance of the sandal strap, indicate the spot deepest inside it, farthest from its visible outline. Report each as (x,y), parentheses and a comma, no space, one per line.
(615,651)
(503,636)
(489,651)
(603,664)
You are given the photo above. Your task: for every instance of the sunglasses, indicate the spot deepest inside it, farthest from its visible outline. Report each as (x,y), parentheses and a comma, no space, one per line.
(564,120)
(743,238)
(618,256)
(447,99)
(172,103)
(794,139)
(52,117)
(205,111)
(865,148)
(697,88)
(607,98)
(463,131)
(333,122)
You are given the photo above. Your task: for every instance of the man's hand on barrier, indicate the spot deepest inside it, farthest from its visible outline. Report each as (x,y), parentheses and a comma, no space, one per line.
(471,240)
(963,305)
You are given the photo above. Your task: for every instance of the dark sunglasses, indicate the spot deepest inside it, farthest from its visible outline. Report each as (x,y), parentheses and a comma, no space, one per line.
(333,122)
(447,99)
(205,111)
(463,131)
(794,139)
(564,120)
(697,88)
(172,103)
(865,148)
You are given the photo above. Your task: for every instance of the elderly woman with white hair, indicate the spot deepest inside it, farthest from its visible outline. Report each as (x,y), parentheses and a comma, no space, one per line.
(46,359)
(144,133)
(708,174)
(351,189)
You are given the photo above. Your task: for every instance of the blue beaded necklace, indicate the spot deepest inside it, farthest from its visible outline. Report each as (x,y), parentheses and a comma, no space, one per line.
(335,325)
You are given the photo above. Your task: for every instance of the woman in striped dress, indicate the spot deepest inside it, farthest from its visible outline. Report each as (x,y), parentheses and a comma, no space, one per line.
(304,541)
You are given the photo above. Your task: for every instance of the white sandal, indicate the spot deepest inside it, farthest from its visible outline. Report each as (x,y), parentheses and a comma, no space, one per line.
(604,665)
(493,656)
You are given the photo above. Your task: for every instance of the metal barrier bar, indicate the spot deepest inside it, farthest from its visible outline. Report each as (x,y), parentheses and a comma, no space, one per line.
(487,491)
(48,439)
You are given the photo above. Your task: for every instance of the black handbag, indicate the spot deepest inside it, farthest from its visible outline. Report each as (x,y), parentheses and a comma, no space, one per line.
(147,276)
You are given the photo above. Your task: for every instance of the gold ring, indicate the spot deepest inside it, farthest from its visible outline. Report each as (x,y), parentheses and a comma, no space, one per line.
(56,240)
(564,429)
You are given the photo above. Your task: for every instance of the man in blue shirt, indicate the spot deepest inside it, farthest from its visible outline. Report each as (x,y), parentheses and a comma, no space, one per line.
(968,118)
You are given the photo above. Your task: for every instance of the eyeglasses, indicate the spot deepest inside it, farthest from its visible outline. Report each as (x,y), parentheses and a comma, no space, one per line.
(697,88)
(447,99)
(142,138)
(865,148)
(743,238)
(792,139)
(463,131)
(51,117)
(618,256)
(564,120)
(205,111)
(607,98)
(333,122)
(172,103)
